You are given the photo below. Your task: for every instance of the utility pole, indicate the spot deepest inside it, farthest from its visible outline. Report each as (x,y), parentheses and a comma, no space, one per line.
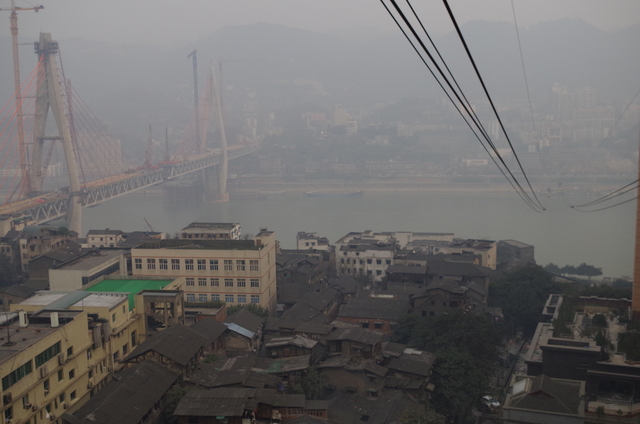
(25,183)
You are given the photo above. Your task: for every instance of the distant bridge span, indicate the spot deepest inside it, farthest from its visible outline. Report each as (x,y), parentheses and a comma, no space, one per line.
(56,205)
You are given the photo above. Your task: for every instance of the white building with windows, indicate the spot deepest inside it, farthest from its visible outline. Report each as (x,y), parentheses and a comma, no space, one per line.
(231,271)
(211,231)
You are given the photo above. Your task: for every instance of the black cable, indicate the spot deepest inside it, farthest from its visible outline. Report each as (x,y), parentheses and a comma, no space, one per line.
(619,192)
(519,190)
(608,207)
(466,47)
(524,71)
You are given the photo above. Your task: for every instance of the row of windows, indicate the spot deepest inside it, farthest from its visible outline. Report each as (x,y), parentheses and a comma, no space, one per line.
(361,261)
(199,264)
(228,298)
(360,271)
(47,354)
(228,282)
(16,375)
(107,271)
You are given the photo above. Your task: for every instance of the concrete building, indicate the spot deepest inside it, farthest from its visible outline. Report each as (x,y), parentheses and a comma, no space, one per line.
(86,268)
(306,241)
(231,271)
(104,238)
(211,231)
(35,240)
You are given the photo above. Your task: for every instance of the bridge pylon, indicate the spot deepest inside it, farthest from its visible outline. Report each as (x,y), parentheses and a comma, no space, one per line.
(49,95)
(215,179)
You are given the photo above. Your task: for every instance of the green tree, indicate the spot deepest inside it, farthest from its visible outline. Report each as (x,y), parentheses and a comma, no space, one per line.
(8,273)
(421,415)
(588,270)
(522,294)
(569,270)
(313,383)
(261,311)
(459,383)
(552,268)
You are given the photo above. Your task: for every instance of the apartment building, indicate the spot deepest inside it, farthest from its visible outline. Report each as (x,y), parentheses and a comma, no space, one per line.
(230,271)
(211,231)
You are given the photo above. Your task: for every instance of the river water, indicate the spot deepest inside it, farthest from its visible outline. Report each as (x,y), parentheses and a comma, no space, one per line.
(560,234)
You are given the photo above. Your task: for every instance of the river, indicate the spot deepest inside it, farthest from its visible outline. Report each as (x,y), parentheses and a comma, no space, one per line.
(560,234)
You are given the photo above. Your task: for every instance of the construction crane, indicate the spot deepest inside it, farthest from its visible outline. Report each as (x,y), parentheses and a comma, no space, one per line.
(24,165)
(148,225)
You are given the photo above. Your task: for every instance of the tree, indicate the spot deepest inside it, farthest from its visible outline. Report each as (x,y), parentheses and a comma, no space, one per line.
(261,311)
(588,270)
(421,415)
(459,383)
(313,383)
(522,294)
(568,269)
(552,268)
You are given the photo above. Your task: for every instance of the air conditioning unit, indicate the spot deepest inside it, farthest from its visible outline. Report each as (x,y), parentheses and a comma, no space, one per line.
(27,406)
(62,358)
(7,398)
(34,408)
(89,384)
(65,405)
(44,371)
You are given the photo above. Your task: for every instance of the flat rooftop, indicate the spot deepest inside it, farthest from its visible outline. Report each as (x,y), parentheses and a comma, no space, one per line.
(202,244)
(79,299)
(91,260)
(129,286)
(15,339)
(211,226)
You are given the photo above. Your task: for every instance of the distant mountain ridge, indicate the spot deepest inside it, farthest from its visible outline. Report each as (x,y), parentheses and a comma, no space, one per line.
(131,86)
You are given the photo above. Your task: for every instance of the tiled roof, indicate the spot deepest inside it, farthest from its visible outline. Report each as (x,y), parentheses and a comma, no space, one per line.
(127,399)
(178,343)
(246,320)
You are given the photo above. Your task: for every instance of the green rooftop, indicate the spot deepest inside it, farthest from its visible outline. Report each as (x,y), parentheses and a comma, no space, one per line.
(130,286)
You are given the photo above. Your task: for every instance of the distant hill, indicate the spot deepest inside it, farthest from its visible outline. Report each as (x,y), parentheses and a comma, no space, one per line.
(129,87)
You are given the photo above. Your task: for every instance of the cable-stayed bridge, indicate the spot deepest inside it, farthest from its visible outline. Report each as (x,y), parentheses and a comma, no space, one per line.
(93,161)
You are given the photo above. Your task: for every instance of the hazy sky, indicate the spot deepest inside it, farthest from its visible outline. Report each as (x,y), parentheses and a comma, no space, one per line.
(179,21)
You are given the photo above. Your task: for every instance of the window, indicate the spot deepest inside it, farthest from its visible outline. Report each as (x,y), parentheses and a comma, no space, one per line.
(240,265)
(242,282)
(151,264)
(116,356)
(215,282)
(190,281)
(90,373)
(369,261)
(25,401)
(388,261)
(70,351)
(378,261)
(163,263)
(242,298)
(364,324)
(60,375)
(255,298)
(255,282)
(213,264)
(202,282)
(369,272)
(72,396)
(191,297)
(175,264)
(215,298)
(46,385)
(138,263)
(203,297)
(188,264)
(378,272)
(228,298)
(8,414)
(228,265)
(47,354)
(125,348)
(253,265)
(228,282)
(113,317)
(72,374)
(62,397)
(377,325)
(202,264)
(133,338)
(14,376)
